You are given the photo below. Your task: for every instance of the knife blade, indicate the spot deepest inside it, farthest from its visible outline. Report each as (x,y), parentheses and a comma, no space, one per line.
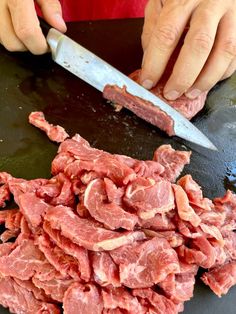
(98,73)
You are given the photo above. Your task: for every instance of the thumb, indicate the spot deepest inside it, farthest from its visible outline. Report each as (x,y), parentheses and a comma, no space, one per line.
(52,12)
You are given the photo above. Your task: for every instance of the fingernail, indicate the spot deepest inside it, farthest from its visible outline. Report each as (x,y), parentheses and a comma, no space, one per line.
(148,84)
(59,19)
(172,95)
(193,93)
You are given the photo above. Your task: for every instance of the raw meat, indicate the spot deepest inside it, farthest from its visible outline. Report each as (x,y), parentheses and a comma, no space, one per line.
(159,303)
(55,133)
(147,110)
(105,270)
(21,300)
(86,233)
(142,108)
(221,278)
(187,107)
(111,234)
(84,299)
(138,262)
(110,214)
(172,160)
(121,299)
(149,198)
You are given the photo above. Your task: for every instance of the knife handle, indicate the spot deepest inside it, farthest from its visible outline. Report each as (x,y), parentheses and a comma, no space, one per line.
(44,26)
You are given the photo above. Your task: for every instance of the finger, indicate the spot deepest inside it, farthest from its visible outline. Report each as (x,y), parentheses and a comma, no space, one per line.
(152,11)
(51,10)
(223,54)
(164,38)
(26,25)
(230,71)
(8,37)
(196,49)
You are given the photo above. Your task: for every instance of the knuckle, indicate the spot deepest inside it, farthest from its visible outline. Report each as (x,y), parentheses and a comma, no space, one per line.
(167,35)
(229,48)
(12,47)
(202,42)
(25,32)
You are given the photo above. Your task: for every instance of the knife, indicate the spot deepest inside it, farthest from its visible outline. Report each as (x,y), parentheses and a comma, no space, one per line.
(98,73)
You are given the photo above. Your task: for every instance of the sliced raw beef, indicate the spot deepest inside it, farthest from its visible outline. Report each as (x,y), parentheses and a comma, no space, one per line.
(82,299)
(142,108)
(149,198)
(58,191)
(185,211)
(187,107)
(38,293)
(105,271)
(195,196)
(4,195)
(6,248)
(70,248)
(172,160)
(110,214)
(56,288)
(65,252)
(143,264)
(227,205)
(91,159)
(11,218)
(55,133)
(175,239)
(86,233)
(33,208)
(159,222)
(20,186)
(179,287)
(114,194)
(63,263)
(21,300)
(159,303)
(221,278)
(5,177)
(25,261)
(143,168)
(120,298)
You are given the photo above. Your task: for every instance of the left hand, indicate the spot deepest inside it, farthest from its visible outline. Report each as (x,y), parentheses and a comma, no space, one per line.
(209,51)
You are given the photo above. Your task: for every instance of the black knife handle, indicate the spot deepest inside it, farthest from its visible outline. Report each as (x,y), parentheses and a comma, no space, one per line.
(44,26)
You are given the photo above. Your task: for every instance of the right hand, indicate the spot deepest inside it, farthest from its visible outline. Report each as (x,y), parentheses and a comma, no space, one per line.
(19,24)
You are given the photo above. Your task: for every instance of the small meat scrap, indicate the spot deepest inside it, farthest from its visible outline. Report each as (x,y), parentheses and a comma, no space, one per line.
(172,160)
(221,278)
(55,133)
(110,234)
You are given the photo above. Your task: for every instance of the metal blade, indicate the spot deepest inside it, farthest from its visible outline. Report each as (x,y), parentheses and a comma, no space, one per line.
(98,73)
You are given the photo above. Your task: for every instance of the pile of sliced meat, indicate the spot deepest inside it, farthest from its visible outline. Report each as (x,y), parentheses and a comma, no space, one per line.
(109,234)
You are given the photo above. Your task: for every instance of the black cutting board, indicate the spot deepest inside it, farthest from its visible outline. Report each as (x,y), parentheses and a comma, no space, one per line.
(29,83)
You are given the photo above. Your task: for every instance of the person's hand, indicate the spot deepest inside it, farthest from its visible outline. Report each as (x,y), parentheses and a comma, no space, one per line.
(209,51)
(19,25)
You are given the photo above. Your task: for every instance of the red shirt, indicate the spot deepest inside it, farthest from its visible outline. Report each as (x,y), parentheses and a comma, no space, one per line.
(75,10)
